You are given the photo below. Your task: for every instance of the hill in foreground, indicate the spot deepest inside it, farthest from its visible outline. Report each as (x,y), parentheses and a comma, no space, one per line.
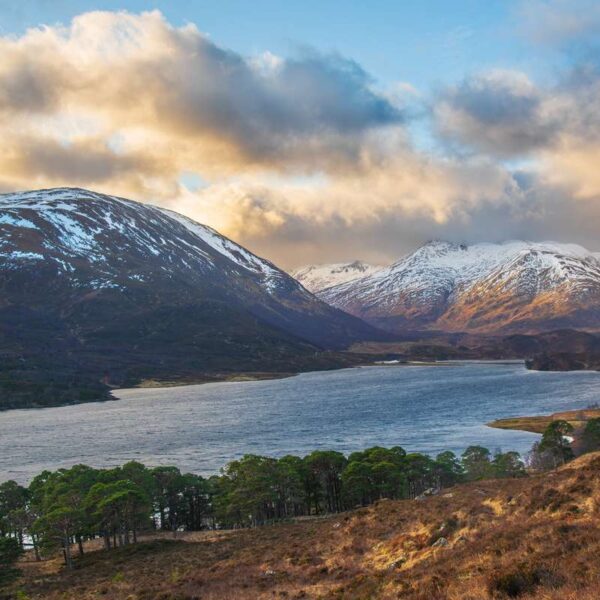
(537,537)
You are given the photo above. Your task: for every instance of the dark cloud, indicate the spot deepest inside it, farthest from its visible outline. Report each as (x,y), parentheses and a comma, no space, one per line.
(26,87)
(501,113)
(44,161)
(283,110)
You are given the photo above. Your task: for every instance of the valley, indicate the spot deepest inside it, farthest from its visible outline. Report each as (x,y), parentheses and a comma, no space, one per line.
(99,292)
(299,300)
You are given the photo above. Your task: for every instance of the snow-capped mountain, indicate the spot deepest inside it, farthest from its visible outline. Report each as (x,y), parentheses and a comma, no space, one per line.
(72,229)
(108,285)
(508,287)
(317,278)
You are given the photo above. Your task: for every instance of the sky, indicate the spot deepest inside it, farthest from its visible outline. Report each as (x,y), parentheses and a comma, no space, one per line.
(315,132)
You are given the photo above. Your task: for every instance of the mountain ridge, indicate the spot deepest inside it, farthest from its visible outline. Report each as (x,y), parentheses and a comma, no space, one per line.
(316,278)
(511,287)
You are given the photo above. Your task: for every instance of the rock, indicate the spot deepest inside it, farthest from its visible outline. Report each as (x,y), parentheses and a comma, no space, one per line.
(428,492)
(397,563)
(337,525)
(269,573)
(440,543)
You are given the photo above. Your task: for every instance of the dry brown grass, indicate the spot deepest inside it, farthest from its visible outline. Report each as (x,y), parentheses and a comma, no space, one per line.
(538,424)
(532,538)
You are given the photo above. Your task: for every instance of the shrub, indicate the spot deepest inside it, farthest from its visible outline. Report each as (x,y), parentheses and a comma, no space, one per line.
(10,551)
(590,440)
(523,580)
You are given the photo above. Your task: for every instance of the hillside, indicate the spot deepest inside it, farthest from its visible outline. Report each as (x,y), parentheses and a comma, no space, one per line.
(560,350)
(514,287)
(537,537)
(97,291)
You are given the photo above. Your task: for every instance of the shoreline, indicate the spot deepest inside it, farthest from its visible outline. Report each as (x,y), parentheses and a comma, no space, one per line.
(250,377)
(538,423)
(233,378)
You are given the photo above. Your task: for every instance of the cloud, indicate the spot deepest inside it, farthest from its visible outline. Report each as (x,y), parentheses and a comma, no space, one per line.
(377,213)
(301,158)
(499,112)
(557,127)
(137,71)
(388,213)
(45,161)
(559,22)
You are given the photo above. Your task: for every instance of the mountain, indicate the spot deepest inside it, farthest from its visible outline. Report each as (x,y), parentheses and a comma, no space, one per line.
(95,287)
(317,278)
(513,287)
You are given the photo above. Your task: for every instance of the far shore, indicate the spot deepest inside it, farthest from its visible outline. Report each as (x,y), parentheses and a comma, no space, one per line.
(231,378)
(244,377)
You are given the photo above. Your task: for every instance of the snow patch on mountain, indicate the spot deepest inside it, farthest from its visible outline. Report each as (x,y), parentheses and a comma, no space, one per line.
(317,278)
(16,255)
(8,219)
(231,250)
(82,225)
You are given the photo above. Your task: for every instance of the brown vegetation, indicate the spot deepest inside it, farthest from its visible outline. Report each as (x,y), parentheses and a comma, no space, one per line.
(537,537)
(538,424)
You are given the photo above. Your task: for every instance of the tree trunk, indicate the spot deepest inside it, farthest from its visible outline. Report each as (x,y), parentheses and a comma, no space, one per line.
(67,550)
(80,545)
(36,550)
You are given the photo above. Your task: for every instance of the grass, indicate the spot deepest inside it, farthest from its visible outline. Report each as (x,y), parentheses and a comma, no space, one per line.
(577,418)
(537,537)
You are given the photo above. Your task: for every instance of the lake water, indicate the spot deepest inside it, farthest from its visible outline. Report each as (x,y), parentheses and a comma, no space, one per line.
(200,428)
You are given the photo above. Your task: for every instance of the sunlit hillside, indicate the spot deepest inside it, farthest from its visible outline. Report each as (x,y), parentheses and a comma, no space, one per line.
(537,537)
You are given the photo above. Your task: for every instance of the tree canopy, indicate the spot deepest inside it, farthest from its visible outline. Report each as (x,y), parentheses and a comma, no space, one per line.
(64,508)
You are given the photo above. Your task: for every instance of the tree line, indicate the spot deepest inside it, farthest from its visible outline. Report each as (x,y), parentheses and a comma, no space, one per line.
(64,508)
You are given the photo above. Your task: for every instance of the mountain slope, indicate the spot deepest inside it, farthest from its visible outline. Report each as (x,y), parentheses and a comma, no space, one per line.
(510,287)
(117,290)
(317,278)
